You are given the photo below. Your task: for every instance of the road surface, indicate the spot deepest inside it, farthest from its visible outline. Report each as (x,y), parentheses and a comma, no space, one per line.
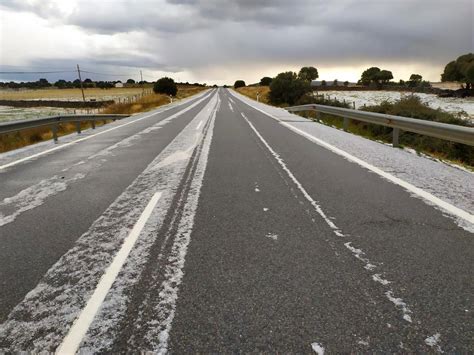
(210,227)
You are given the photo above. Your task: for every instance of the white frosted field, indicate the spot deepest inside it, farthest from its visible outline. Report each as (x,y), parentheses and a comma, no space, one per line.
(464,106)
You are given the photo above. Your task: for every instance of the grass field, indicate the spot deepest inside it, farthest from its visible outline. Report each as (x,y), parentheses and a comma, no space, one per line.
(70,94)
(251,91)
(20,139)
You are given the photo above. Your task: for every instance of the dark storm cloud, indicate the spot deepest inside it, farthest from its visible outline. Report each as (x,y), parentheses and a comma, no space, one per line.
(195,34)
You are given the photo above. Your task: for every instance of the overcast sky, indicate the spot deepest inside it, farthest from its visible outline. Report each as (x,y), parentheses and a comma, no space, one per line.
(219,41)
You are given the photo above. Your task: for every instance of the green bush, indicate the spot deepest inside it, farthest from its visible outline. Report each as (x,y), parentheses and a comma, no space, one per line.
(413,107)
(265,81)
(287,88)
(239,84)
(165,86)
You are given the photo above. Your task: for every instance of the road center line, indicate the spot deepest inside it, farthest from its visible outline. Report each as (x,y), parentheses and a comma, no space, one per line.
(13,163)
(79,329)
(453,210)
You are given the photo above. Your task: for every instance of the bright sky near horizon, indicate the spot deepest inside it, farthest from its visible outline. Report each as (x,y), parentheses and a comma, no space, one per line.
(219,41)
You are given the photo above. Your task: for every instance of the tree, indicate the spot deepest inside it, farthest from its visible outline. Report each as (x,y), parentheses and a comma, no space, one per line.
(43,83)
(346,83)
(384,76)
(308,74)
(335,82)
(416,78)
(239,84)
(323,83)
(130,81)
(61,84)
(165,86)
(288,88)
(370,76)
(265,81)
(375,76)
(461,69)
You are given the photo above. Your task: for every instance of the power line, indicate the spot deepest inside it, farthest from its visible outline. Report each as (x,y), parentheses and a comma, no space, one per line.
(107,74)
(36,72)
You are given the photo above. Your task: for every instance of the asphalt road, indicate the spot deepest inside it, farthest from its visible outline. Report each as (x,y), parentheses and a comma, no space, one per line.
(210,227)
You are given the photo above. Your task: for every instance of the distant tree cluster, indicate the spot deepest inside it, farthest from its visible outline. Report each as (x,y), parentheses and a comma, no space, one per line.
(461,69)
(375,76)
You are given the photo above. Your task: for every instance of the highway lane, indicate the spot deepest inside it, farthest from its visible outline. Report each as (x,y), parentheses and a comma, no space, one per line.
(257,239)
(54,198)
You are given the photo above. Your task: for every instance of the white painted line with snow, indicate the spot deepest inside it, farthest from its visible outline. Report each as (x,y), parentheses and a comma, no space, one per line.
(16,162)
(453,210)
(199,125)
(358,253)
(79,329)
(230,106)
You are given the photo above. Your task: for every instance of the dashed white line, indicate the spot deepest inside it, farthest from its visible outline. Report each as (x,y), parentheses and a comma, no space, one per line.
(75,335)
(199,125)
(230,106)
(453,210)
(358,253)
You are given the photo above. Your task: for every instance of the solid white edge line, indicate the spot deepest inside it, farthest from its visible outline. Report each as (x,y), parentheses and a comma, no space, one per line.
(458,212)
(73,339)
(13,163)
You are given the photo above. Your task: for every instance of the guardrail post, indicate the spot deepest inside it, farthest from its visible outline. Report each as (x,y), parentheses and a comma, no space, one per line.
(318,115)
(78,127)
(345,124)
(54,129)
(93,124)
(395,137)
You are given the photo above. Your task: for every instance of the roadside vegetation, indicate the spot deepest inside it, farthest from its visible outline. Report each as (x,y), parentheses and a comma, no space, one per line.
(289,88)
(23,138)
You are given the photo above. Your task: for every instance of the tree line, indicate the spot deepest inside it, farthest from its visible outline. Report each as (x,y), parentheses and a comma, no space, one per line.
(76,84)
(289,87)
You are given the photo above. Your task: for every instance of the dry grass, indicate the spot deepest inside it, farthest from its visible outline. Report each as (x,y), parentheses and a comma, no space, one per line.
(151,101)
(20,139)
(69,94)
(251,91)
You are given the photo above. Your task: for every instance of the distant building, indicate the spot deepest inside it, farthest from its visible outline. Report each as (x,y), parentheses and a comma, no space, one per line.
(119,85)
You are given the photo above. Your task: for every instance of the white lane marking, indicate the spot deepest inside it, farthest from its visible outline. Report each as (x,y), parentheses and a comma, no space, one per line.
(456,211)
(74,337)
(317,348)
(13,163)
(265,209)
(230,106)
(199,125)
(358,253)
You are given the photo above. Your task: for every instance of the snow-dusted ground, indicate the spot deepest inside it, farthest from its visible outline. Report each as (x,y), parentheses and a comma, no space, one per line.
(450,104)
(39,148)
(447,182)
(61,299)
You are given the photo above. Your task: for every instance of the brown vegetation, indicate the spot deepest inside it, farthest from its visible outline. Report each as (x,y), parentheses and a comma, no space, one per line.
(251,91)
(23,138)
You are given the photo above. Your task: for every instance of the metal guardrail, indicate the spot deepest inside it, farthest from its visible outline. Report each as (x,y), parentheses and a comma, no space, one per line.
(54,122)
(450,132)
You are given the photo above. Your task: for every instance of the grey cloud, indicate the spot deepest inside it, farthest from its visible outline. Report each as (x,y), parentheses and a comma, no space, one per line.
(196,35)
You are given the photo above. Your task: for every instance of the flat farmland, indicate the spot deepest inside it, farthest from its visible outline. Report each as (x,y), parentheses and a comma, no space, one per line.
(72,94)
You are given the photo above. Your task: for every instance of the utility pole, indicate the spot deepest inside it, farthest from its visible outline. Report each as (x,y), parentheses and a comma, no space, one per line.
(143,84)
(80,80)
